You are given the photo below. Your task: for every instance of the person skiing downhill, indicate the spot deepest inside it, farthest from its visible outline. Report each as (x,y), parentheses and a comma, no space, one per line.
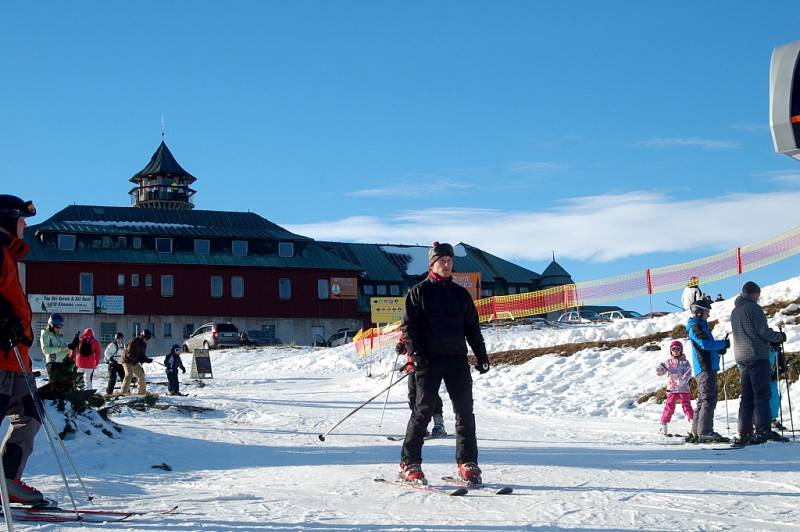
(439,314)
(678,371)
(706,352)
(16,337)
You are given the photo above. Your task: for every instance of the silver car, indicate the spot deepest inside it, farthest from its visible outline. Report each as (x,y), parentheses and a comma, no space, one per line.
(212,336)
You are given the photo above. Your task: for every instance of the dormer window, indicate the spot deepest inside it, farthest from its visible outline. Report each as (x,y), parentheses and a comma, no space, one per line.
(239,248)
(66,242)
(202,246)
(137,242)
(286,249)
(164,245)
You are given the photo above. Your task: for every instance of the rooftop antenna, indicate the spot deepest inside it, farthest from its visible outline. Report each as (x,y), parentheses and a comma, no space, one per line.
(554,255)
(163,127)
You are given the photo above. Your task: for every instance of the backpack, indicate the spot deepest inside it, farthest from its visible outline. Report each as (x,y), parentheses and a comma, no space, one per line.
(85,347)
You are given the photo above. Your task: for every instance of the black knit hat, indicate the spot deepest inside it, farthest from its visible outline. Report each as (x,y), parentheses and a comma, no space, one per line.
(11,209)
(439,250)
(700,305)
(749,288)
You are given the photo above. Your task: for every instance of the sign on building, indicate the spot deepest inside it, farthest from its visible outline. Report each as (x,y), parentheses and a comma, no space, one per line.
(344,288)
(470,281)
(386,309)
(109,304)
(63,304)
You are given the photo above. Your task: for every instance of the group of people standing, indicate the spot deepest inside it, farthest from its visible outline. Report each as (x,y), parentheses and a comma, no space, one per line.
(757,352)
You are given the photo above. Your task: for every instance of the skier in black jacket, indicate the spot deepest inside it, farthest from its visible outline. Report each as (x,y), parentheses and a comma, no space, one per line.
(438,315)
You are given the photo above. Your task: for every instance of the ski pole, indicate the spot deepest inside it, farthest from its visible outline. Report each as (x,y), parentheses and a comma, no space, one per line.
(4,484)
(725,393)
(47,423)
(778,386)
(386,401)
(788,394)
(322,436)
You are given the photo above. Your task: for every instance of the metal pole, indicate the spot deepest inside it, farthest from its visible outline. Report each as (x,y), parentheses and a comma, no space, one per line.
(778,382)
(725,394)
(788,394)
(322,436)
(4,483)
(386,401)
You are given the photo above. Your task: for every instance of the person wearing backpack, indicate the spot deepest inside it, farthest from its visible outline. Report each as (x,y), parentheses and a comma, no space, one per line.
(173,363)
(114,350)
(132,359)
(88,357)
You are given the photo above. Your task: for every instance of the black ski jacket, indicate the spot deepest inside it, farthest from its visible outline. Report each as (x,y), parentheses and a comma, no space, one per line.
(437,318)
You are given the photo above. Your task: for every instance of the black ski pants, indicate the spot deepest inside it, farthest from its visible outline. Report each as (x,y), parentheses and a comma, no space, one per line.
(455,372)
(756,392)
(115,371)
(174,385)
(412,396)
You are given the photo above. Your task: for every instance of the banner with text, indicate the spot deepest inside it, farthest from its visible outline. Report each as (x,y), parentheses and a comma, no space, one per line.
(344,288)
(63,304)
(386,309)
(470,281)
(110,304)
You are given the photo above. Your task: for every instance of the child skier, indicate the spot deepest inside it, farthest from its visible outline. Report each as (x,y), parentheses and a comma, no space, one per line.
(172,362)
(678,371)
(705,359)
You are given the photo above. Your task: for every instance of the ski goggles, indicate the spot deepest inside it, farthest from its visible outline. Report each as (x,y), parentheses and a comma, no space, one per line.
(26,210)
(676,349)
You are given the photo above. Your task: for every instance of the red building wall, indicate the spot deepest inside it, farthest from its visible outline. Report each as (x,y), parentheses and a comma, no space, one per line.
(192,289)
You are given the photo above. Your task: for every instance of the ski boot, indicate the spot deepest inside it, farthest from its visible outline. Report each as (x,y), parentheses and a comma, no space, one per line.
(412,473)
(438,427)
(769,435)
(743,440)
(714,437)
(691,437)
(21,493)
(777,425)
(470,472)
(663,430)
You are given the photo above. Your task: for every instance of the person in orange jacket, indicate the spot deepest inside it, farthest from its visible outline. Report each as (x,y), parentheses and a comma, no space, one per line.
(16,337)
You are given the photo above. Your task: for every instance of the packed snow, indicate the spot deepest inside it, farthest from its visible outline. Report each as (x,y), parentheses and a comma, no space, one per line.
(565,432)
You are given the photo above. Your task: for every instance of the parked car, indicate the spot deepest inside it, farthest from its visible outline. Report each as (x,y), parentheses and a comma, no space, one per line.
(212,336)
(621,315)
(583,316)
(257,338)
(656,314)
(341,337)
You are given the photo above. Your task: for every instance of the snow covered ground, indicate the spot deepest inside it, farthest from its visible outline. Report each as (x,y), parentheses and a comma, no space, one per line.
(564,432)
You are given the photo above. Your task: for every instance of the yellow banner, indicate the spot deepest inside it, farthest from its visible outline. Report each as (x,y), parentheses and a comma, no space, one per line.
(386,309)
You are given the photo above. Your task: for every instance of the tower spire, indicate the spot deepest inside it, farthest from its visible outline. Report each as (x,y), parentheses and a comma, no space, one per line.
(163,128)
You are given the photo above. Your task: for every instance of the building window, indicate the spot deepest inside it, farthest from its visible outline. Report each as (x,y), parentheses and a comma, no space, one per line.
(239,248)
(285,288)
(202,246)
(188,329)
(137,242)
(135,280)
(167,286)
(66,242)
(108,330)
(216,286)
(323,289)
(369,289)
(523,290)
(151,327)
(122,242)
(148,280)
(237,287)
(167,330)
(86,284)
(512,290)
(121,280)
(137,329)
(107,242)
(381,289)
(486,292)
(164,245)
(286,249)
(394,289)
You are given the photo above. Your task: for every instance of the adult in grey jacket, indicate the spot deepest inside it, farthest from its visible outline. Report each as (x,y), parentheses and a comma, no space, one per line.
(751,339)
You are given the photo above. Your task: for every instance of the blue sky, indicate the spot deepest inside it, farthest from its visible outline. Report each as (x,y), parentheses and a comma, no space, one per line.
(620,135)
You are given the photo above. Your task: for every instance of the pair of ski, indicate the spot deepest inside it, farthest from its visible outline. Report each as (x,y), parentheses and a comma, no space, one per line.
(454,487)
(55,514)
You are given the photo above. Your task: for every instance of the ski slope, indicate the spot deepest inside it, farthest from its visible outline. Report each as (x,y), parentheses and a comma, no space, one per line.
(564,432)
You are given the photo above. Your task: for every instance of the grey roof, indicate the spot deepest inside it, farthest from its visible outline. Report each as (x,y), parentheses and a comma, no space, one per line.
(100,220)
(493,267)
(370,257)
(555,275)
(163,163)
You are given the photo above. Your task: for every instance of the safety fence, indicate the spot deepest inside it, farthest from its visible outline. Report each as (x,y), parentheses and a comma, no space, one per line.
(737,261)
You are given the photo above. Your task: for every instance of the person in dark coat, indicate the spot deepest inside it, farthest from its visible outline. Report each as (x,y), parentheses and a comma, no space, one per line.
(173,363)
(439,315)
(133,357)
(752,337)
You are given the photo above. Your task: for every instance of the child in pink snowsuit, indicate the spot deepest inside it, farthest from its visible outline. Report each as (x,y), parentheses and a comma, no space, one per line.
(678,371)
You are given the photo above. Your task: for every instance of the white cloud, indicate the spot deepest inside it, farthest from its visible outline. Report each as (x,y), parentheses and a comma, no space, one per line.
(593,228)
(694,142)
(411,189)
(787,177)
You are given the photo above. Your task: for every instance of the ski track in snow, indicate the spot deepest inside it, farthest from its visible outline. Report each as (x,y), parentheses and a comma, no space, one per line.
(565,432)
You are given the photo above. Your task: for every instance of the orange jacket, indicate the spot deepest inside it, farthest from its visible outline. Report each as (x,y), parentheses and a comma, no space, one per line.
(13,250)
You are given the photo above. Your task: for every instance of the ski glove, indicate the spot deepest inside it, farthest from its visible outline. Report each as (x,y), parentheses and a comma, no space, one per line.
(483,364)
(783,335)
(11,332)
(400,348)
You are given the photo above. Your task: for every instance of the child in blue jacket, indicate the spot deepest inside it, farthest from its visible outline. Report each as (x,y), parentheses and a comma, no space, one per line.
(172,363)
(705,360)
